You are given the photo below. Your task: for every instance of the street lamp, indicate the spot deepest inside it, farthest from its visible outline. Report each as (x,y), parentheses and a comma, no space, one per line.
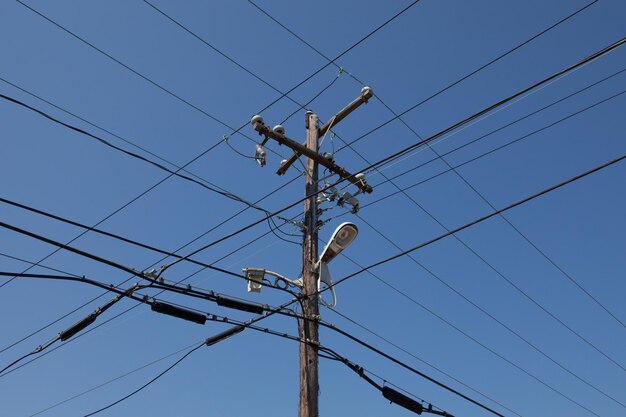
(341,238)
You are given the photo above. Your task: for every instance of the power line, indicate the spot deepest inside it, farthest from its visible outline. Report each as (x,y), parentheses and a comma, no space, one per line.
(396,116)
(208,342)
(481,219)
(153,279)
(508,280)
(334,310)
(131,154)
(422,142)
(113,380)
(188,291)
(137,73)
(234,131)
(484,136)
(97,297)
(489,152)
(440,157)
(495,319)
(81,324)
(153,264)
(127,240)
(489,314)
(268,311)
(488,109)
(450,85)
(511,225)
(335,356)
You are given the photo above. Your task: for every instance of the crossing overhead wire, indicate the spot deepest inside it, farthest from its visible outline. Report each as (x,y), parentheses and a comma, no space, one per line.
(481,219)
(517,288)
(208,342)
(449,86)
(154,281)
(133,242)
(128,279)
(328,354)
(129,293)
(269,311)
(484,260)
(156,164)
(132,154)
(422,142)
(508,280)
(489,152)
(119,237)
(500,322)
(485,111)
(565,274)
(501,128)
(242,67)
(115,317)
(234,131)
(146,365)
(389,342)
(144,77)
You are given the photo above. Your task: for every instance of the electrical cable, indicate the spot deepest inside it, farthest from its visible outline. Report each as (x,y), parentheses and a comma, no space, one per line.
(482,67)
(208,342)
(519,336)
(588,59)
(144,77)
(155,282)
(422,142)
(169,368)
(354,45)
(242,67)
(500,274)
(153,264)
(508,280)
(334,310)
(499,129)
(268,311)
(491,151)
(271,17)
(71,331)
(133,154)
(508,328)
(124,312)
(218,319)
(113,380)
(481,219)
(488,109)
(124,239)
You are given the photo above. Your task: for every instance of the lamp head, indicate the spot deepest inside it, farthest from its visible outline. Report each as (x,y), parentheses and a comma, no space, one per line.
(341,238)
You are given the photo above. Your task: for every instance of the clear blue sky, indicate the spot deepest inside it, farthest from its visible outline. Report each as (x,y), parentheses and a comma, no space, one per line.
(580,227)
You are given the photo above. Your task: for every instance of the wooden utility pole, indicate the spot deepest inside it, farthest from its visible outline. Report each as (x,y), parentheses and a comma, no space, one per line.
(308,329)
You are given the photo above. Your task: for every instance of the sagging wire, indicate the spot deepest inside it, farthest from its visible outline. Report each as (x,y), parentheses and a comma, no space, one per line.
(225,139)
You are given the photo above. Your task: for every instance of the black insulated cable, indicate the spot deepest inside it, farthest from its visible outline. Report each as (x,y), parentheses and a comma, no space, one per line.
(179,312)
(209,341)
(233,303)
